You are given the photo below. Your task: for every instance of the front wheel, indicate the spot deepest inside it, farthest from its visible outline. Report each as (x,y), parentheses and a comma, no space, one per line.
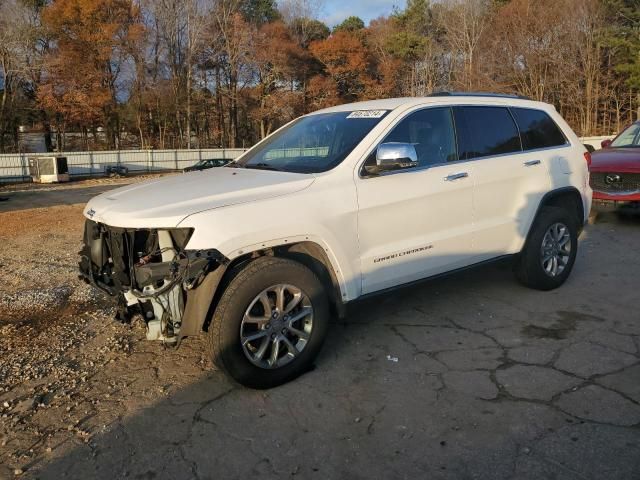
(550,251)
(270,323)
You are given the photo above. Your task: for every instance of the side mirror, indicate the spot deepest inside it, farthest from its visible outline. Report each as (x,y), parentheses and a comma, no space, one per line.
(396,156)
(606,143)
(590,148)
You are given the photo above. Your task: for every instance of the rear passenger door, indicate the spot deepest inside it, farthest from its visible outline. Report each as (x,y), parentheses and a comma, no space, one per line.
(508,183)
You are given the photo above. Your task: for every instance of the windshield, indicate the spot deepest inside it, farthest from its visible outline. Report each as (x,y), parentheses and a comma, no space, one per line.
(628,138)
(312,144)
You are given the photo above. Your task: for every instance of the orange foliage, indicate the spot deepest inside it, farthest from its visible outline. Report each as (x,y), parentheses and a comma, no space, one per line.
(322,93)
(356,74)
(92,39)
(345,60)
(275,50)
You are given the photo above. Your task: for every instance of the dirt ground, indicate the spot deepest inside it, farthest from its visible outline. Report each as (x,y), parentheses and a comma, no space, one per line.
(467,377)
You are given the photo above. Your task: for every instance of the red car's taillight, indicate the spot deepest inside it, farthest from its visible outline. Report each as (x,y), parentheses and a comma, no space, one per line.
(587,157)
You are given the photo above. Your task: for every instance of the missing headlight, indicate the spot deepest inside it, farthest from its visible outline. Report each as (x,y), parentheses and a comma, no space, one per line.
(150,268)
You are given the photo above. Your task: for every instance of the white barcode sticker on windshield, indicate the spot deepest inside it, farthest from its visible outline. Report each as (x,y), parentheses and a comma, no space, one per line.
(367,114)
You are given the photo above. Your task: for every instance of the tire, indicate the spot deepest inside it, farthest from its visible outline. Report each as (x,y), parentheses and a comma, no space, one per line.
(242,301)
(529,267)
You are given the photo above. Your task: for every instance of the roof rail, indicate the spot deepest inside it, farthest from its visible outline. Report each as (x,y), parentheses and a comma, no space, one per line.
(477,94)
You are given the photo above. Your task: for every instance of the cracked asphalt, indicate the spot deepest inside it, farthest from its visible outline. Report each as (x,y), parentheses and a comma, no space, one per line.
(466,377)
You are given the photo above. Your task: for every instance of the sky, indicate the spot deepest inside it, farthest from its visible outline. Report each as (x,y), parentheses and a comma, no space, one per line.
(335,11)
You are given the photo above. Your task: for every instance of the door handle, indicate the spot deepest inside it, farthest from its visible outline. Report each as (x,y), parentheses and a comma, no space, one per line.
(456,176)
(531,163)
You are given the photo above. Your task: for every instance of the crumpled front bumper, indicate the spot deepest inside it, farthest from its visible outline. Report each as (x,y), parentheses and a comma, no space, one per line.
(152,274)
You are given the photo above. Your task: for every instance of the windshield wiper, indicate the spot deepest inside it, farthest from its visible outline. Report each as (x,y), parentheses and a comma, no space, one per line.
(261,166)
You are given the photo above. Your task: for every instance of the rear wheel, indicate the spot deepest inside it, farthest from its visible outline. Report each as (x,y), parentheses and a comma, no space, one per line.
(270,323)
(550,252)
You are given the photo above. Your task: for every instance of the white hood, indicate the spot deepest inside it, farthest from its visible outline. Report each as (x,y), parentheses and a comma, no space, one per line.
(165,202)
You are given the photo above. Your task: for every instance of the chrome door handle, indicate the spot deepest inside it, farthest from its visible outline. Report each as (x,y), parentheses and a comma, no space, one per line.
(456,176)
(531,163)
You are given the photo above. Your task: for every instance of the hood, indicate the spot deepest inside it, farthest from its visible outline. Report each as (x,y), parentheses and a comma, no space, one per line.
(165,202)
(616,160)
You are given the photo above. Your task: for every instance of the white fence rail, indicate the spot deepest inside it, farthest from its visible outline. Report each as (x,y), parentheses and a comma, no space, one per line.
(15,167)
(595,141)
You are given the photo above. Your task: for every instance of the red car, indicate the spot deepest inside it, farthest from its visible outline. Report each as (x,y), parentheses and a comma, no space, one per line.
(615,171)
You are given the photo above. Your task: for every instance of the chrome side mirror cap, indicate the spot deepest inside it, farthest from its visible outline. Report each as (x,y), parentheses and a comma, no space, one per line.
(396,156)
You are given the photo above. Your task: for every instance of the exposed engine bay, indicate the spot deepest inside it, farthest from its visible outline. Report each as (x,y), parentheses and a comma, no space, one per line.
(149,270)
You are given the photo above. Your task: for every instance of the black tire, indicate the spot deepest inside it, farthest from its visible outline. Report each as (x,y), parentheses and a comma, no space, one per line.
(529,269)
(224,334)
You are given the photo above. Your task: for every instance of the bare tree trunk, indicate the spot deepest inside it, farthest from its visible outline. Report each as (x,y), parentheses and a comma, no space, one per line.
(188,119)
(3,105)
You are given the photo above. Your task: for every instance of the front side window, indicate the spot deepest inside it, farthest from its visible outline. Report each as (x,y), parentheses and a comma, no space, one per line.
(312,144)
(485,131)
(629,138)
(537,129)
(430,131)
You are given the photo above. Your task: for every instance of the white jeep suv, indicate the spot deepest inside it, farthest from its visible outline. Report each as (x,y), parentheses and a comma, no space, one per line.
(337,205)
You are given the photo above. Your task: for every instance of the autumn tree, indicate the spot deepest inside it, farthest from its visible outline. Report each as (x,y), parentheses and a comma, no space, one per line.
(277,57)
(230,39)
(523,45)
(345,60)
(92,44)
(22,45)
(225,73)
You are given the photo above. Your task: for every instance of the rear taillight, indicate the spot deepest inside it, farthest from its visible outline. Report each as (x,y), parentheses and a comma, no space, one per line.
(587,157)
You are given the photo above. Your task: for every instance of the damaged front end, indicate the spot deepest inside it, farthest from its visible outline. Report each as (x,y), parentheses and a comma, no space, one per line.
(153,275)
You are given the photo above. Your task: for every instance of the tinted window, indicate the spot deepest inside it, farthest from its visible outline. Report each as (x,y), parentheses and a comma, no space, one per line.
(628,138)
(537,129)
(430,131)
(485,131)
(315,143)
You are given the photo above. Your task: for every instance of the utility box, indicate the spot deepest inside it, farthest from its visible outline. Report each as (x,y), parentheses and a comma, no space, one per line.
(48,169)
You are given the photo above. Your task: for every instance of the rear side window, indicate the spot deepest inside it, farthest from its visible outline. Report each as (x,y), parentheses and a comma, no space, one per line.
(485,131)
(537,129)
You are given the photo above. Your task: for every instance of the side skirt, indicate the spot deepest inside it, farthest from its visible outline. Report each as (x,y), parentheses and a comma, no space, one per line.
(428,279)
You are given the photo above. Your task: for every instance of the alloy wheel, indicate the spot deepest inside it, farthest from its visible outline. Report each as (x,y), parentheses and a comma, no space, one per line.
(556,249)
(276,326)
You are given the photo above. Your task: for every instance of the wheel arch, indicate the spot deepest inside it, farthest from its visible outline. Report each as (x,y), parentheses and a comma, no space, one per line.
(309,253)
(565,197)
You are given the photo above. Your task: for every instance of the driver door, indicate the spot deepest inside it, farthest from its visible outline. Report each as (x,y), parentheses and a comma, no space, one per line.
(417,222)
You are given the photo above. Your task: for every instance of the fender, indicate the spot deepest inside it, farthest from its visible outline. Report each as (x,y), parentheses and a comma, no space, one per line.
(550,197)
(201,301)
(288,243)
